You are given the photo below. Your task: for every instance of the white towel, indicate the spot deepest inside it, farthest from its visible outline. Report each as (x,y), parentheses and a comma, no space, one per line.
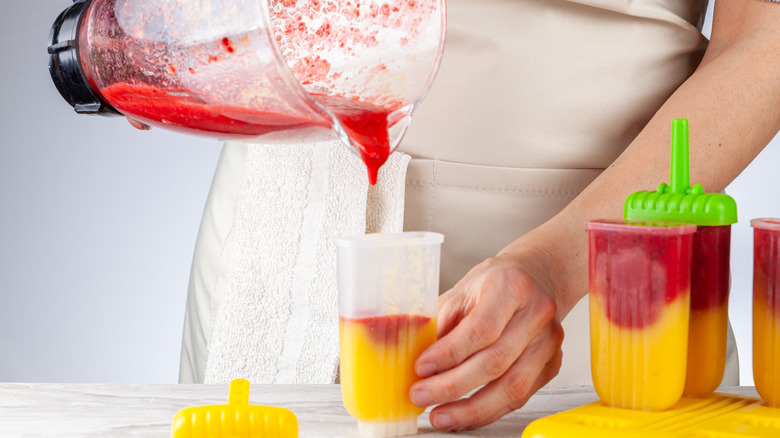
(275,305)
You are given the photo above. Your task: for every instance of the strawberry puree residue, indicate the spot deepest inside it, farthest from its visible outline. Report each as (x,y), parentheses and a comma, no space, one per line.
(176,109)
(306,29)
(338,51)
(228,45)
(387,329)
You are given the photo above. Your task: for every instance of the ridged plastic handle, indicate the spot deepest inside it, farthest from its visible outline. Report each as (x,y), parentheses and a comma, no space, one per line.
(239,392)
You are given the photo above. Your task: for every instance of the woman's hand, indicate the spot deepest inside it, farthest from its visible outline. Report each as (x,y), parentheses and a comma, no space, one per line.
(497,327)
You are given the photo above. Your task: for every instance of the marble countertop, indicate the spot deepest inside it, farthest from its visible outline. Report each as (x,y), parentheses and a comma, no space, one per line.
(118,411)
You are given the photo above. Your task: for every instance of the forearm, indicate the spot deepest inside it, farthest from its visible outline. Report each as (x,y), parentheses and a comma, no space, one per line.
(732,103)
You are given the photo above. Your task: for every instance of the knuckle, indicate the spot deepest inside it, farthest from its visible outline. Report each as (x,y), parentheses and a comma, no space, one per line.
(517,385)
(496,362)
(483,332)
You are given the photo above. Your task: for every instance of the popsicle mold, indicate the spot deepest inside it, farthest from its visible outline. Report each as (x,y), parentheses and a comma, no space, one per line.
(388,302)
(766,309)
(639,283)
(713,214)
(717,416)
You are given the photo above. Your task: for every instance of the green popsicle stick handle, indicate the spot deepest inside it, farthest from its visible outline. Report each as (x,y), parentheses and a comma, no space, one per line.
(680,170)
(678,201)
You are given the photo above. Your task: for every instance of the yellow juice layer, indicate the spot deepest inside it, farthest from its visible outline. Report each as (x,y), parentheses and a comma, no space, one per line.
(706,350)
(640,368)
(766,352)
(377,369)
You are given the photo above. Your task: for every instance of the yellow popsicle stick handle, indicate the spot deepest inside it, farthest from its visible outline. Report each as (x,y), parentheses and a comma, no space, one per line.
(239,392)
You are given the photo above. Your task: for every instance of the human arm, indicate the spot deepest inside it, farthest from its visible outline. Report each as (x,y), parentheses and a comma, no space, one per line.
(500,325)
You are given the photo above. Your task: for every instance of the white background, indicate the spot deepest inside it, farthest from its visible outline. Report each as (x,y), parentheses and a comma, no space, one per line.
(98,223)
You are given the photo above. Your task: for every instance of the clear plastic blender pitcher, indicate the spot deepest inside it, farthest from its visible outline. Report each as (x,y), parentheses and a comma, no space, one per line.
(243,68)
(388,295)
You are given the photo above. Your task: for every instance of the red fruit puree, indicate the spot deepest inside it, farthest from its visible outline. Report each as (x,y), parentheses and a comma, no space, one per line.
(710,267)
(364,122)
(385,329)
(638,275)
(766,268)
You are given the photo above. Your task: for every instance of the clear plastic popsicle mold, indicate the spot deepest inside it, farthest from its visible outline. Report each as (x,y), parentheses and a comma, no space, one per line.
(388,301)
(713,214)
(766,309)
(639,292)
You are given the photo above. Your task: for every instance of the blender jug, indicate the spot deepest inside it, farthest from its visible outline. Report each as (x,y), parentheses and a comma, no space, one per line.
(244,68)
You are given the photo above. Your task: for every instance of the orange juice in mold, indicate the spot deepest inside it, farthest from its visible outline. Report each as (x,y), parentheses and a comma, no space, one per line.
(766,309)
(706,350)
(377,365)
(766,352)
(639,312)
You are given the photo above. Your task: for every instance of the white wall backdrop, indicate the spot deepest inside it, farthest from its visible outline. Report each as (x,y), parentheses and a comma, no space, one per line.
(97,227)
(98,222)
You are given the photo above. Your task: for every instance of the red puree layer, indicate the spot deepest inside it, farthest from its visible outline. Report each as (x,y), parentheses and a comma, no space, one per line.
(385,329)
(710,267)
(766,268)
(635,291)
(364,122)
(367,125)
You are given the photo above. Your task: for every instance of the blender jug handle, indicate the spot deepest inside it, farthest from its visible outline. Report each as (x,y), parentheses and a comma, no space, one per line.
(65,63)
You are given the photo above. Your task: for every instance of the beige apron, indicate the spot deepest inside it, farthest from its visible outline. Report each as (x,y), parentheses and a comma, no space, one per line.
(533,100)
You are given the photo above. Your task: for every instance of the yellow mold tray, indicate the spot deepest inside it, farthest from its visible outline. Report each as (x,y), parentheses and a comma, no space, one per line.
(719,416)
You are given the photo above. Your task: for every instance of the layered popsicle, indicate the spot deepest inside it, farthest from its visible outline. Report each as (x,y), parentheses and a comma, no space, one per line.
(713,214)
(766,309)
(639,310)
(708,330)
